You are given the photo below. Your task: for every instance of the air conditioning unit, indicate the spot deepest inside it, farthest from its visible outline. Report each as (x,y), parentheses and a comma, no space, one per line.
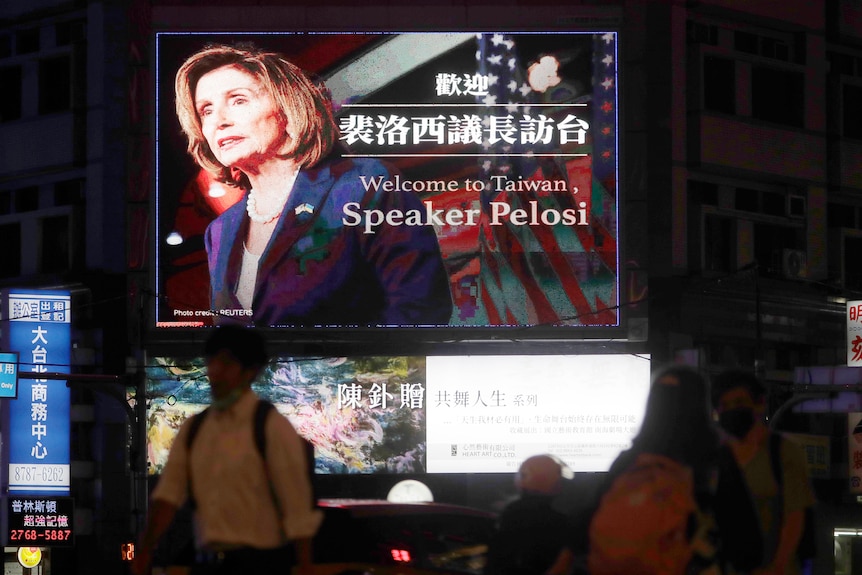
(794,264)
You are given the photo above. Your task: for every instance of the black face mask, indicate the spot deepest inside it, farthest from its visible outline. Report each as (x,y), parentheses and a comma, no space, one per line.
(737,422)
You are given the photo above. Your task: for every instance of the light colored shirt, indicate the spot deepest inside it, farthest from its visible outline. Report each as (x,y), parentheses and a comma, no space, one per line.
(234,502)
(247,278)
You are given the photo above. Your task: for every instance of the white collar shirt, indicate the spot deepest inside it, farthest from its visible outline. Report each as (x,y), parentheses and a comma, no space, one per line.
(234,500)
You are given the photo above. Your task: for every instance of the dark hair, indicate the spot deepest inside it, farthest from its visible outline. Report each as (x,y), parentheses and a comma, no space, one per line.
(678,420)
(733,378)
(246,344)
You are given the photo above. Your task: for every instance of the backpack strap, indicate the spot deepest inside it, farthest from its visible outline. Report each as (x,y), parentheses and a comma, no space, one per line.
(194,428)
(260,413)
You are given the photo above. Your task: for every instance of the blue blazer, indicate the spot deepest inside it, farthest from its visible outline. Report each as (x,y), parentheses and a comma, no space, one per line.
(317,271)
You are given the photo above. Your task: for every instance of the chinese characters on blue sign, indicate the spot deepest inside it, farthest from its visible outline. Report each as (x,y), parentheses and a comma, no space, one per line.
(38,446)
(8,375)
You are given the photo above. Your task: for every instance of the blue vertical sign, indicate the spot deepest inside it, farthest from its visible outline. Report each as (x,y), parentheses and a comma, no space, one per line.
(38,425)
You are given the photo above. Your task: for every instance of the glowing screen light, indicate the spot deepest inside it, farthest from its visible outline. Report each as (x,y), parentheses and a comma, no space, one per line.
(508,141)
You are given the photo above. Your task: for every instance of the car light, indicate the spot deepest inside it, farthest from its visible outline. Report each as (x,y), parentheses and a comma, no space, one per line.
(401,555)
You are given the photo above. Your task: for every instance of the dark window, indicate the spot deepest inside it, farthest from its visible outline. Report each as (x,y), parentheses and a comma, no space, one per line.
(69,192)
(700,33)
(27,199)
(747,200)
(852,263)
(55,244)
(10,94)
(10,239)
(851,103)
(800,48)
(745,42)
(67,32)
(796,206)
(840,216)
(55,85)
(771,240)
(774,204)
(5,46)
(777,95)
(27,41)
(706,193)
(841,63)
(775,49)
(719,85)
(6,202)
(719,249)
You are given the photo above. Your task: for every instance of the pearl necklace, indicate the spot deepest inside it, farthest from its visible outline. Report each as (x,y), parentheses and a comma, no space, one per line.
(251,203)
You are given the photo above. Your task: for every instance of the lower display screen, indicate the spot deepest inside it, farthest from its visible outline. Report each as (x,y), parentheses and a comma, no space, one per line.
(435,414)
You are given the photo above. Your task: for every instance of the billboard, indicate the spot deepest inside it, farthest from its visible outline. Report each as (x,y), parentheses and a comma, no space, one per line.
(37,422)
(434,414)
(469,180)
(854,333)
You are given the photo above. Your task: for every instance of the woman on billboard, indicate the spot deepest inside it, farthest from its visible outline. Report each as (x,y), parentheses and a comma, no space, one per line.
(285,254)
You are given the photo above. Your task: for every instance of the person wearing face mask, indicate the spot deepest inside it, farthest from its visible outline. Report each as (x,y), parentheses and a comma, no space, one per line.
(739,401)
(251,512)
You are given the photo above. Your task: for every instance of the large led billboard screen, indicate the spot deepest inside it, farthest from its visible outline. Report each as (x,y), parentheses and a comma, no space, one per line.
(349,180)
(434,414)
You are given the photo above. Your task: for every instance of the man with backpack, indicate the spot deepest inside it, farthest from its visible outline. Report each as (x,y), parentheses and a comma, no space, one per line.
(774,471)
(249,483)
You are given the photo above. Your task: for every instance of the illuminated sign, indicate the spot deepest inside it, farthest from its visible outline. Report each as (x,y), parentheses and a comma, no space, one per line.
(8,375)
(490,413)
(435,414)
(29,557)
(38,420)
(854,333)
(127,551)
(473,183)
(43,521)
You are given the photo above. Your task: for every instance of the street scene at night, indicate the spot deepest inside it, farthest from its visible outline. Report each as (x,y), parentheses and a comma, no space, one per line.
(452,288)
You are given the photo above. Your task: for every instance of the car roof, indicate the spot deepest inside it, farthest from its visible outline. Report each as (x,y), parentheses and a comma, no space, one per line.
(377,507)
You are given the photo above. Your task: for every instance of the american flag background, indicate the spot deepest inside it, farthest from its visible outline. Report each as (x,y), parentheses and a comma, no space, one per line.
(550,274)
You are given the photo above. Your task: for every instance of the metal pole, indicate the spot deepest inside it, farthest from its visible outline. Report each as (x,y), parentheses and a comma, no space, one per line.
(139,465)
(759,363)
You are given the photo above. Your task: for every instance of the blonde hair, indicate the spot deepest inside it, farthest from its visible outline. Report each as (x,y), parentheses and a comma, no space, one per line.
(303,104)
